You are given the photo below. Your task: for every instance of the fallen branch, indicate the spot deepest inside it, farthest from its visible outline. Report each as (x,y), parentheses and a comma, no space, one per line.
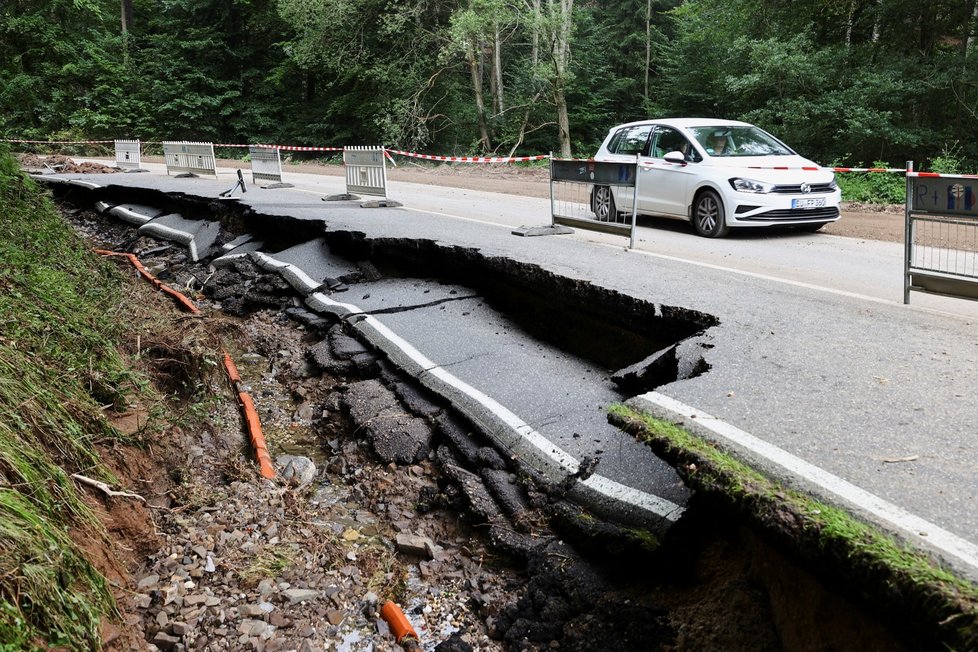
(101,486)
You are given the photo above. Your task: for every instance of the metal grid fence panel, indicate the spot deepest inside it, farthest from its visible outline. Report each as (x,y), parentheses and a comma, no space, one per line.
(266,164)
(127,154)
(366,170)
(941,236)
(573,202)
(190,158)
(945,245)
(579,187)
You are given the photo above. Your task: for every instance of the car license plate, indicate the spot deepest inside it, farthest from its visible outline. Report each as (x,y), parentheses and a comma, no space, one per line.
(813,202)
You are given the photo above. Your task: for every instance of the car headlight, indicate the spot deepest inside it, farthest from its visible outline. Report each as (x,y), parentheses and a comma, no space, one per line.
(749,185)
(832,184)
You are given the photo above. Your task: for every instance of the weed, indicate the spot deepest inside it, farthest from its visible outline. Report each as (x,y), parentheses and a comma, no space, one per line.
(60,317)
(873,187)
(268,563)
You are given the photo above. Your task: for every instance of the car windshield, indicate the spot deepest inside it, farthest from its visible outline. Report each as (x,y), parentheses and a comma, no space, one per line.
(738,141)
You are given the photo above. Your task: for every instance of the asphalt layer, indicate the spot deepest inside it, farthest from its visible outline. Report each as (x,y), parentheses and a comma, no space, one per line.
(877,394)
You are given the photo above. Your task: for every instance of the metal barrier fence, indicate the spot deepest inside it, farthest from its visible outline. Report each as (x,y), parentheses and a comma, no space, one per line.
(941,235)
(590,195)
(127,154)
(266,165)
(366,171)
(190,158)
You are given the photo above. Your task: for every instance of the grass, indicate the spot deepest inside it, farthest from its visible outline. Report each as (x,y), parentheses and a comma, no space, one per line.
(871,559)
(269,563)
(873,187)
(60,316)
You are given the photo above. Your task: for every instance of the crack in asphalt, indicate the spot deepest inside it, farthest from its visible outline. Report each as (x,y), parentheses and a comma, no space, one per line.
(397,309)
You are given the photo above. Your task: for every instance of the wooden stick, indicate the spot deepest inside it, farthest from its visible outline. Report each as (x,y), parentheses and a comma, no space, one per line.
(101,486)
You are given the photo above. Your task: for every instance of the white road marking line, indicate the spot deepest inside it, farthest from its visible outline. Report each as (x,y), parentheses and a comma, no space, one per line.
(913,527)
(521,431)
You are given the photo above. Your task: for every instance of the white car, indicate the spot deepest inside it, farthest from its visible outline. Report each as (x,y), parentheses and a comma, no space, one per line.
(717,174)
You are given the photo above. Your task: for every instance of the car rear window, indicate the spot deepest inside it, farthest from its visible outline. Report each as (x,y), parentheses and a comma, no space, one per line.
(630,140)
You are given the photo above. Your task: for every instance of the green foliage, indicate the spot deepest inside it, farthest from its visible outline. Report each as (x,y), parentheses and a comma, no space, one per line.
(839,81)
(873,187)
(59,313)
(949,161)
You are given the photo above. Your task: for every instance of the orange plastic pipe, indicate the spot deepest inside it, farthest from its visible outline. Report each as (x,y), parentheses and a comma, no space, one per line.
(182,299)
(257,438)
(399,624)
(231,368)
(252,421)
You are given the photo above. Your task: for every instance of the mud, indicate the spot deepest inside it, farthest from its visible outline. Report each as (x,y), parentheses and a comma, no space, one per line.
(557,578)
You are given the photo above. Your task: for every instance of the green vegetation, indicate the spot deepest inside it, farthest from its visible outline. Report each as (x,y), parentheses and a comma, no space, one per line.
(59,314)
(869,558)
(269,563)
(873,187)
(889,80)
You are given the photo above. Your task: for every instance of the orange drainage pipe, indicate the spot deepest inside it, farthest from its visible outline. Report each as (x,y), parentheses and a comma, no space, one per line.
(182,299)
(252,422)
(404,634)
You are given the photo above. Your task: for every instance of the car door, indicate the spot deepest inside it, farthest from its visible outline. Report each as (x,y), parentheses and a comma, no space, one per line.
(663,186)
(628,142)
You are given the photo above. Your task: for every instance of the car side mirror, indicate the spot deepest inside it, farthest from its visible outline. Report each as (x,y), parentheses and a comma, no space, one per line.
(676,157)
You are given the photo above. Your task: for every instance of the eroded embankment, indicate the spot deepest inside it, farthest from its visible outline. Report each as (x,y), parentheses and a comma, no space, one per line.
(580,599)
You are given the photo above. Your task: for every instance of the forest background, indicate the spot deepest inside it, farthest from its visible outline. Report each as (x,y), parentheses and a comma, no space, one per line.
(845,82)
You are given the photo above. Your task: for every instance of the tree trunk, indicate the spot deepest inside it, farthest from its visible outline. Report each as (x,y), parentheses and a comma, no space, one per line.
(127,16)
(480,105)
(648,47)
(535,47)
(970,28)
(562,11)
(497,69)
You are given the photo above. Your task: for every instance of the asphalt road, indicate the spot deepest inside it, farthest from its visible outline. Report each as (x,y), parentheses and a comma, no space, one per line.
(815,354)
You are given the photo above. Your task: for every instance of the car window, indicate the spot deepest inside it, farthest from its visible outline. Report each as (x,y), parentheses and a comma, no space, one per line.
(668,140)
(739,141)
(630,140)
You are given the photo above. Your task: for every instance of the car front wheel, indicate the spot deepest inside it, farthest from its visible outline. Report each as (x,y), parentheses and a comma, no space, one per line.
(603,204)
(708,217)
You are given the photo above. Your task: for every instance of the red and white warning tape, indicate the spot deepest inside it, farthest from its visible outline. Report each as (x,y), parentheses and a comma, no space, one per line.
(933,175)
(471,159)
(900,170)
(292,148)
(59,142)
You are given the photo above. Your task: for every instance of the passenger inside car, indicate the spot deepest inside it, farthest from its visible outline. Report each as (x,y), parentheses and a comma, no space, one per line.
(719,144)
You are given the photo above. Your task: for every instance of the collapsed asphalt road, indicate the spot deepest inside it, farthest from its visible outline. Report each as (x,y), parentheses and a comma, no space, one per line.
(568,602)
(769,389)
(531,370)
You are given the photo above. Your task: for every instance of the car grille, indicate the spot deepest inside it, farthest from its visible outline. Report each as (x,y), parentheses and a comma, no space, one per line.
(794,214)
(795,189)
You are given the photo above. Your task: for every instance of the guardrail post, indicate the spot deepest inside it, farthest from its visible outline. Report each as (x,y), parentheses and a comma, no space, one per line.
(631,236)
(907,233)
(553,211)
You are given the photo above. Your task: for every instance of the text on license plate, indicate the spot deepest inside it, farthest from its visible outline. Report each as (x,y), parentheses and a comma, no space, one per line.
(813,202)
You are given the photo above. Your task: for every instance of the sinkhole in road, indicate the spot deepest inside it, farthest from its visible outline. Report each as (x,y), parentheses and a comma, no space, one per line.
(644,345)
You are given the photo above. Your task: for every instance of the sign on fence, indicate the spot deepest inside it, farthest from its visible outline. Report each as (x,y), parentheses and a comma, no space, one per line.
(266,166)
(190,158)
(594,195)
(127,155)
(366,171)
(941,239)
